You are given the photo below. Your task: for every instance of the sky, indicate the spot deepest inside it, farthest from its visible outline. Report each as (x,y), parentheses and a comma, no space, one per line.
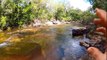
(80,4)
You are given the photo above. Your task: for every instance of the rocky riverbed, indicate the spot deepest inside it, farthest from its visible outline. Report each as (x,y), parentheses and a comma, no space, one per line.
(43,43)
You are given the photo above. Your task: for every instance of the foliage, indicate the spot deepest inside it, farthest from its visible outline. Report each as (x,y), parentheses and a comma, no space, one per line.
(3,21)
(87,17)
(99,4)
(59,14)
(15,13)
(19,12)
(75,14)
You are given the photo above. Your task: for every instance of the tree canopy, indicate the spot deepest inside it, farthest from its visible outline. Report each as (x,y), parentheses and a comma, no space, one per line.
(99,4)
(15,13)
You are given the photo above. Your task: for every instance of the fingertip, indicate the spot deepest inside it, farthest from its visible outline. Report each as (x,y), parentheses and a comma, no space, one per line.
(94,52)
(90,50)
(101,14)
(96,9)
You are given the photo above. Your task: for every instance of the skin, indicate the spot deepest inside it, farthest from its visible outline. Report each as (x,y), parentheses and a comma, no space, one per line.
(102,21)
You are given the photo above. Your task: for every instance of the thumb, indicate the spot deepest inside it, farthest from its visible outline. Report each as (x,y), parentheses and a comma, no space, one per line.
(95,53)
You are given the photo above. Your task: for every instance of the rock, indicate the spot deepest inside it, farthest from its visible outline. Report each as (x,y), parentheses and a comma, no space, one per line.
(37,23)
(85,44)
(49,23)
(1,30)
(56,22)
(24,26)
(78,31)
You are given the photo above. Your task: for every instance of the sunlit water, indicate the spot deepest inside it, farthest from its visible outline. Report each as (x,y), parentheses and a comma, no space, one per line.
(63,46)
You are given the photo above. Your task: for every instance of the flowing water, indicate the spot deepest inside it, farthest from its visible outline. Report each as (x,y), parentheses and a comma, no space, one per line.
(50,43)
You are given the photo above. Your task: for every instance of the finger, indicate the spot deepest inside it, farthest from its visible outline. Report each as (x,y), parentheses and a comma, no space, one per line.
(97,21)
(103,30)
(102,15)
(100,22)
(94,52)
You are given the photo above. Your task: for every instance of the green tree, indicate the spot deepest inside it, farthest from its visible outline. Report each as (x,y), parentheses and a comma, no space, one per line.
(59,14)
(15,13)
(99,4)
(75,14)
(87,17)
(19,12)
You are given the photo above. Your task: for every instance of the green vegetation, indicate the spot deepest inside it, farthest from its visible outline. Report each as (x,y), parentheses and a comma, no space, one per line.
(99,4)
(40,40)
(15,13)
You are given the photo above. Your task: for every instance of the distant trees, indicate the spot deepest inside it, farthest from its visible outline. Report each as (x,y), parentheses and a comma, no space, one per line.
(15,13)
(87,17)
(72,14)
(60,13)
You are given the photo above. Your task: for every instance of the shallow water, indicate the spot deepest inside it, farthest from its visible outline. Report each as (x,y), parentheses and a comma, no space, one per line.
(54,43)
(68,48)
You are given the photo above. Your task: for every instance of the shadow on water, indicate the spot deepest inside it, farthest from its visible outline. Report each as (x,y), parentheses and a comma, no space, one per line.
(54,44)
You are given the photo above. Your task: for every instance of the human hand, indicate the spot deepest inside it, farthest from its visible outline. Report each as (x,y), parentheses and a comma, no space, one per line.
(94,52)
(102,21)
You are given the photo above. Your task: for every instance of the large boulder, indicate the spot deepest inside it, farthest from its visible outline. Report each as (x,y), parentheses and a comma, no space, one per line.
(77,31)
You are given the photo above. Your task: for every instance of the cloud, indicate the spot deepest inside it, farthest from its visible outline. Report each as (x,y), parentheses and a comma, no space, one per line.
(80,4)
